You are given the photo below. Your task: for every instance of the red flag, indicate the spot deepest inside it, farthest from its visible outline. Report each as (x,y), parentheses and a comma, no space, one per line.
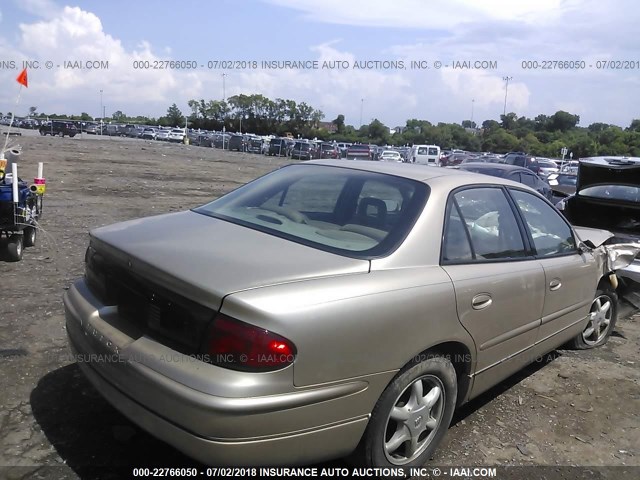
(22,78)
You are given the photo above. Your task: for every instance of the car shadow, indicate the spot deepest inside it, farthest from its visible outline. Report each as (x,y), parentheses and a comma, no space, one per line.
(91,436)
(497,390)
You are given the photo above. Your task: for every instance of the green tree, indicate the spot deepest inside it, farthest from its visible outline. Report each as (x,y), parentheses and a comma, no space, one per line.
(563,121)
(339,123)
(174,117)
(508,121)
(635,125)
(118,116)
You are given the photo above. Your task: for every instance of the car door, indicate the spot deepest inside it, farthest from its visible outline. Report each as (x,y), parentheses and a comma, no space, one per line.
(533,181)
(570,274)
(499,286)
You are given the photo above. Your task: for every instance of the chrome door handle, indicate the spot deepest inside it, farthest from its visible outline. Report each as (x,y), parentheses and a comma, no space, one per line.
(555,284)
(481,300)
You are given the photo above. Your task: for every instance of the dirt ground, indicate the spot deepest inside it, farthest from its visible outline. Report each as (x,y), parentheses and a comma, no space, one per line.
(573,409)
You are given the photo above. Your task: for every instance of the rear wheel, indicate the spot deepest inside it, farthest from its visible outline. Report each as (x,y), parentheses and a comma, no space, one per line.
(29,236)
(412,415)
(14,248)
(603,315)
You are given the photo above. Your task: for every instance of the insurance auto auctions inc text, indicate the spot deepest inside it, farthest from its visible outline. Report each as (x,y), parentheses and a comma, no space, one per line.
(375,64)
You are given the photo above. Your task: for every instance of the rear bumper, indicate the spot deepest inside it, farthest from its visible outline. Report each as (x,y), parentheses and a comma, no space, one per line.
(304,447)
(214,415)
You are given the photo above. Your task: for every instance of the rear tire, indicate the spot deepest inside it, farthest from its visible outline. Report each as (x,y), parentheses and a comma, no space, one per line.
(412,416)
(603,315)
(29,236)
(14,248)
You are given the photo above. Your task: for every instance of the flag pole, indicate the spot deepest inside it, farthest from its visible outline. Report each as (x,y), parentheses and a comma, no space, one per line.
(22,80)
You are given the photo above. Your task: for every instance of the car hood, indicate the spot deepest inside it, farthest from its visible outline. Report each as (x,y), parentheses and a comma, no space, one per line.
(213,256)
(596,236)
(615,173)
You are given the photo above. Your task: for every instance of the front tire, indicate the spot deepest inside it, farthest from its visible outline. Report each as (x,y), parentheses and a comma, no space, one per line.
(603,315)
(412,415)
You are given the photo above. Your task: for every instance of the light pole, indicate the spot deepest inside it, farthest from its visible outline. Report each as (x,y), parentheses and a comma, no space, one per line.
(224,93)
(361,107)
(506,90)
(101,111)
(224,101)
(472,101)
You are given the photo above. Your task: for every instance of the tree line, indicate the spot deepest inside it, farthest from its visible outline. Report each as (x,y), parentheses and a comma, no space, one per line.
(544,135)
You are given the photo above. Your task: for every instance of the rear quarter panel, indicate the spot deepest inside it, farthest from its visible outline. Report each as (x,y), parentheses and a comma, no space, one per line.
(355,325)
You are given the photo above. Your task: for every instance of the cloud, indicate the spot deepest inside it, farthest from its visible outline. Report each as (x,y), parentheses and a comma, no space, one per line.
(496,30)
(39,8)
(432,15)
(73,34)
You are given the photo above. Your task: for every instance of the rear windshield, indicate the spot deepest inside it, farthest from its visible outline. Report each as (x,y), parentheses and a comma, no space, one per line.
(341,210)
(360,148)
(547,164)
(494,172)
(624,193)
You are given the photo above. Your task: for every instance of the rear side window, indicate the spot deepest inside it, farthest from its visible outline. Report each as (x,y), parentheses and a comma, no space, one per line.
(550,233)
(528,180)
(490,226)
(456,246)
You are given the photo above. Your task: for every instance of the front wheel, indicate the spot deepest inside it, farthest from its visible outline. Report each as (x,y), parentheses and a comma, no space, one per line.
(603,315)
(412,415)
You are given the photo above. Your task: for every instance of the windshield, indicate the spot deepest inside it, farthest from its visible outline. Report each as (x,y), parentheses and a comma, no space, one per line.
(341,210)
(624,193)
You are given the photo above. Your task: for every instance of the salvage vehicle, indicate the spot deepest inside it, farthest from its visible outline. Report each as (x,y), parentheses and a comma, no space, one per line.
(329,309)
(607,196)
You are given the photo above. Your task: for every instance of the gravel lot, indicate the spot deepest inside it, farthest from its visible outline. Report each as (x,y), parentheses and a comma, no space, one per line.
(573,409)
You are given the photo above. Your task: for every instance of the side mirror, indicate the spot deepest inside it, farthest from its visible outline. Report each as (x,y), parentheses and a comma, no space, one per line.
(586,246)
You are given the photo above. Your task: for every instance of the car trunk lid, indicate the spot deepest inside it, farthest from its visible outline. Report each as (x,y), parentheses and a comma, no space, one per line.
(615,172)
(212,257)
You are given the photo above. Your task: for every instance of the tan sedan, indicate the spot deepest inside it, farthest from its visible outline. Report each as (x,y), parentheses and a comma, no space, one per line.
(330,308)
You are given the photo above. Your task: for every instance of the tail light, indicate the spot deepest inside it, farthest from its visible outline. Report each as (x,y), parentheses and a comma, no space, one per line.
(240,346)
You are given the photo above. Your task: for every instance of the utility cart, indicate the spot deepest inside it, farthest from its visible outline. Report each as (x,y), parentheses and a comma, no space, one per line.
(20,210)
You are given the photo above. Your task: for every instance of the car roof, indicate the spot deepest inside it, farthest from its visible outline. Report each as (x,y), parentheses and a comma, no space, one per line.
(419,172)
(495,166)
